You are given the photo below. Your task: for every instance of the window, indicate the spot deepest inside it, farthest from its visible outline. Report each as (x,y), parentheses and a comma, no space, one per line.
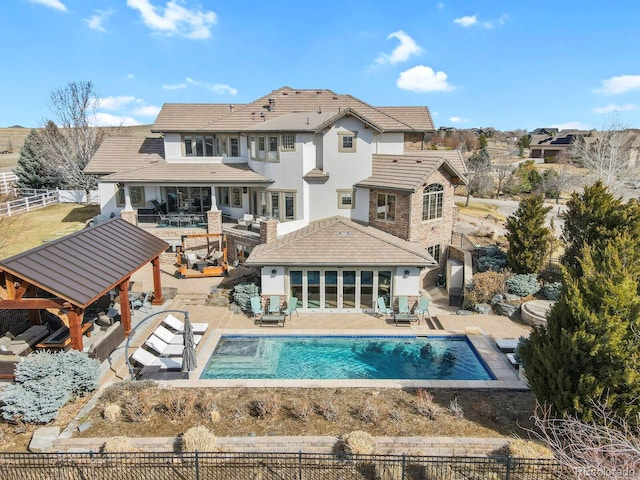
(136,195)
(434,251)
(273,148)
(224,196)
(282,205)
(288,143)
(210,145)
(346,199)
(386,207)
(231,197)
(432,201)
(234,145)
(346,142)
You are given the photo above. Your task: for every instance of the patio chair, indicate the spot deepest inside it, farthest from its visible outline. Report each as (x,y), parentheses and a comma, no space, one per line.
(292,306)
(403,305)
(256,307)
(383,309)
(178,326)
(162,348)
(246,221)
(148,359)
(274,304)
(423,307)
(142,304)
(173,338)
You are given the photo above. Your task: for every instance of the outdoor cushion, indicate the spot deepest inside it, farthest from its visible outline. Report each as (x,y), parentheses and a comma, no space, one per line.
(162,348)
(32,335)
(178,325)
(173,338)
(147,359)
(17,330)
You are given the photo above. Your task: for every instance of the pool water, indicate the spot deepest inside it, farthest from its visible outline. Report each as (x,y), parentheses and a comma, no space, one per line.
(345,357)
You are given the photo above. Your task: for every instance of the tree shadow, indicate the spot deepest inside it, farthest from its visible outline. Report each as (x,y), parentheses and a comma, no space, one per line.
(81,214)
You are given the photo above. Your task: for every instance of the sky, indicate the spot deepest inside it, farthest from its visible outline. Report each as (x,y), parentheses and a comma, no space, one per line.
(504,64)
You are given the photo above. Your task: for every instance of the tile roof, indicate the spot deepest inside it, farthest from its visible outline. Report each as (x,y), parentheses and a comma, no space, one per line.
(125,153)
(410,172)
(284,101)
(293,122)
(194,173)
(341,242)
(83,266)
(189,117)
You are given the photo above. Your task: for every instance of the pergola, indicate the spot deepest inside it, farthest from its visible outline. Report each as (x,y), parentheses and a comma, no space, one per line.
(76,270)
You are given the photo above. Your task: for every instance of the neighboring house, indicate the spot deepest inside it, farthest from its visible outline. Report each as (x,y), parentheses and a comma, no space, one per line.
(551,143)
(347,203)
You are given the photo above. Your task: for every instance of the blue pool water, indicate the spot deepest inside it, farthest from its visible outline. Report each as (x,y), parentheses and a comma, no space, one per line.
(345,357)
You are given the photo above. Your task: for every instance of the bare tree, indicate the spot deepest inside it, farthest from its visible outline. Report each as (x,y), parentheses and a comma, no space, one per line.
(607,154)
(609,448)
(502,165)
(69,143)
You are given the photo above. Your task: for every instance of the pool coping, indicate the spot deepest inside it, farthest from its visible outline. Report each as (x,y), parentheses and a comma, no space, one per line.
(506,377)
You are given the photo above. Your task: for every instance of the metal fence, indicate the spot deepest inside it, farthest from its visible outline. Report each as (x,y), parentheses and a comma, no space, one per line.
(552,271)
(282,466)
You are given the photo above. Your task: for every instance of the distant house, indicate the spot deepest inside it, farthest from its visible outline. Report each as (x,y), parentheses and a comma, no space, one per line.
(343,201)
(553,143)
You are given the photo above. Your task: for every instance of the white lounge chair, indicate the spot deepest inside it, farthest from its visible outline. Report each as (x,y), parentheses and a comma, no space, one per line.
(147,359)
(178,326)
(162,348)
(173,338)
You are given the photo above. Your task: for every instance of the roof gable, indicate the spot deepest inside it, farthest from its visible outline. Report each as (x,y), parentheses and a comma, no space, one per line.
(117,154)
(341,242)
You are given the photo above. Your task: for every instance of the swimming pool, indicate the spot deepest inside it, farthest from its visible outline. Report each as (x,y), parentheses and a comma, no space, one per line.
(345,357)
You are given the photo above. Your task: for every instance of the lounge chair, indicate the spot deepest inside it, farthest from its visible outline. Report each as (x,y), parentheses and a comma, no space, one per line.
(403,305)
(292,306)
(274,304)
(256,307)
(147,359)
(246,221)
(423,307)
(173,338)
(383,309)
(178,326)
(507,344)
(162,348)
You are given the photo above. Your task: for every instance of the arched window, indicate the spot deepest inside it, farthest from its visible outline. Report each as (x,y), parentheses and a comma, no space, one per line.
(432,201)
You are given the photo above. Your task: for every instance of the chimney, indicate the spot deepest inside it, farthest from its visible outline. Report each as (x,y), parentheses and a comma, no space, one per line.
(268,230)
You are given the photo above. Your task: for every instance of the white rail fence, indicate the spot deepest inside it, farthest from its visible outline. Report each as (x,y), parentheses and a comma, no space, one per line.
(26,204)
(8,182)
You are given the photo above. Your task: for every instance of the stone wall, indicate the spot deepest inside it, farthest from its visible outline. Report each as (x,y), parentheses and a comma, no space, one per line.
(414,142)
(399,227)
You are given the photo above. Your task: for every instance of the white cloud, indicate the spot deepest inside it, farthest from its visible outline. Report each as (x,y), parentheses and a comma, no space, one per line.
(612,107)
(620,84)
(174,19)
(96,20)
(176,86)
(440,5)
(467,21)
(403,51)
(471,20)
(458,120)
(115,103)
(129,76)
(423,79)
(101,119)
(147,111)
(57,4)
(220,88)
(571,126)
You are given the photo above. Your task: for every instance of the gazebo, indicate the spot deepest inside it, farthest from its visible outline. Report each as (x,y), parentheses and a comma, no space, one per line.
(67,275)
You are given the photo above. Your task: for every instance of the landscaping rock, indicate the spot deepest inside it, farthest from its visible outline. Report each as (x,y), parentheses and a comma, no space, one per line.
(464,312)
(497,299)
(510,297)
(483,308)
(507,310)
(43,438)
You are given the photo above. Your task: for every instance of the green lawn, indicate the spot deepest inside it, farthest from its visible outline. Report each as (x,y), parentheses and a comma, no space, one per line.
(28,230)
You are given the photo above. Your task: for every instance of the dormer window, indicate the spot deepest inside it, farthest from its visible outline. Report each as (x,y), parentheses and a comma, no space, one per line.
(346,141)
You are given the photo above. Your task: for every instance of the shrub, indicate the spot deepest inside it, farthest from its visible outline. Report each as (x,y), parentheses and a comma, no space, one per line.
(264,407)
(137,406)
(115,393)
(178,404)
(366,411)
(491,258)
(37,366)
(455,409)
(527,449)
(358,443)
(242,294)
(328,410)
(523,285)
(425,405)
(112,412)
(199,439)
(551,291)
(487,285)
(84,372)
(487,410)
(301,410)
(118,445)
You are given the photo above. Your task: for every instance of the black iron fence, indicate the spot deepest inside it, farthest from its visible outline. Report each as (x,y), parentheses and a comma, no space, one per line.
(282,466)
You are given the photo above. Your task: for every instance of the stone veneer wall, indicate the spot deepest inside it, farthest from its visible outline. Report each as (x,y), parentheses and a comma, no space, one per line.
(400,227)
(414,142)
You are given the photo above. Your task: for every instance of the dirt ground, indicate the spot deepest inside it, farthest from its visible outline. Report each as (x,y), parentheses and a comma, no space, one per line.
(271,411)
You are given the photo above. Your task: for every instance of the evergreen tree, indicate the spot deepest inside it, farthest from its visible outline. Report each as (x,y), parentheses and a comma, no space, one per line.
(530,241)
(31,171)
(595,216)
(590,351)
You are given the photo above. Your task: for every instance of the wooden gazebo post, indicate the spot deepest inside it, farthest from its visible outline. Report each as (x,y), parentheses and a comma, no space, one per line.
(125,308)
(157,283)
(75,327)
